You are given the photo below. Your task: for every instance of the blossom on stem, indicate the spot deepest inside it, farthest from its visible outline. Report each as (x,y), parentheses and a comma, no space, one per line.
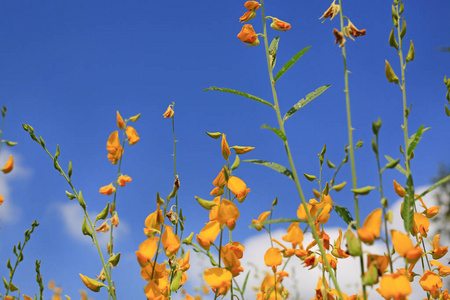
(339,37)
(247,16)
(351,31)
(399,190)
(107,189)
(438,251)
(279,25)
(169,112)
(252,5)
(218,279)
(103,228)
(262,217)
(123,180)
(170,241)
(443,269)
(114,147)
(371,227)
(225,148)
(431,282)
(132,135)
(9,165)
(248,35)
(404,246)
(273,258)
(147,250)
(294,235)
(208,234)
(238,188)
(395,286)
(331,12)
(120,122)
(228,213)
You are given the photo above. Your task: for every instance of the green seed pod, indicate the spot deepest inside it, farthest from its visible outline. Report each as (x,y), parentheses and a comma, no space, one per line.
(135,118)
(394,16)
(175,285)
(103,214)
(310,177)
(205,203)
(214,135)
(353,243)
(390,74)
(340,186)
(376,126)
(85,228)
(114,260)
(364,190)
(236,163)
(403,32)
(392,40)
(411,52)
(371,277)
(188,240)
(330,164)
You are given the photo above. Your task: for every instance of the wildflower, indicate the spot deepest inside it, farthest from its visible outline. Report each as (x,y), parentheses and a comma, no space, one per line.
(114,148)
(123,179)
(120,122)
(247,16)
(294,235)
(438,252)
(248,35)
(395,286)
(238,188)
(431,282)
(2,199)
(351,31)
(262,217)
(314,207)
(242,149)
(9,165)
(224,145)
(443,270)
(273,258)
(132,135)
(331,260)
(399,190)
(115,220)
(337,251)
(91,284)
(252,5)
(331,12)
(147,250)
(103,228)
(153,222)
(231,260)
(339,37)
(228,213)
(218,279)
(208,234)
(381,262)
(169,112)
(371,227)
(429,212)
(310,261)
(183,263)
(107,189)
(152,291)
(280,25)
(404,246)
(420,225)
(170,241)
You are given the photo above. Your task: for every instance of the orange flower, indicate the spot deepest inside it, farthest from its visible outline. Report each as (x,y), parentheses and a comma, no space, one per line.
(9,165)
(337,251)
(123,179)
(431,282)
(294,235)
(438,251)
(218,279)
(333,262)
(351,31)
(395,286)
(273,258)
(404,246)
(280,25)
(332,11)
(238,188)
(248,35)
(208,234)
(399,190)
(224,145)
(228,214)
(371,227)
(115,219)
(120,122)
(153,222)
(1,199)
(252,5)
(247,16)
(114,148)
(429,212)
(262,217)
(443,270)
(231,260)
(183,263)
(314,207)
(170,241)
(339,37)
(103,228)
(132,135)
(169,112)
(420,225)
(107,189)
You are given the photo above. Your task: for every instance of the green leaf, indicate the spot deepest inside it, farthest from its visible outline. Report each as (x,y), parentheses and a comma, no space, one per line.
(403,32)
(398,167)
(245,282)
(276,131)
(213,88)
(305,101)
(359,144)
(279,168)
(289,64)
(364,190)
(103,214)
(330,164)
(273,51)
(235,164)
(414,139)
(85,228)
(344,213)
(408,205)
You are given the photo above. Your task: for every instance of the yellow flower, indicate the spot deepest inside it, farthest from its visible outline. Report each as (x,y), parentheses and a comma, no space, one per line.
(1,199)
(280,25)
(132,135)
(399,190)
(225,148)
(153,222)
(90,283)
(371,227)
(438,251)
(262,217)
(147,250)
(395,286)
(123,179)
(115,219)
(238,188)
(273,258)
(228,213)
(208,234)
(9,165)
(248,35)
(431,282)
(114,148)
(169,112)
(183,263)
(443,270)
(107,189)
(120,122)
(420,225)
(170,241)
(294,235)
(25,297)
(218,279)
(231,260)
(404,246)
(314,207)
(331,260)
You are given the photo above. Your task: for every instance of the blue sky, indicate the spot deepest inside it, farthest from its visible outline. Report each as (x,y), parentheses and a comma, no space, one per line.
(66,67)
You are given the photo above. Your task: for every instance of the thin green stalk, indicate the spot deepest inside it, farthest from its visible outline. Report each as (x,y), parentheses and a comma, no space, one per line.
(1,133)
(350,143)
(288,152)
(175,170)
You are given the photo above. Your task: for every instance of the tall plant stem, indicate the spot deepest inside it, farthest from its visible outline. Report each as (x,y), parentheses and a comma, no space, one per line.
(291,161)
(350,142)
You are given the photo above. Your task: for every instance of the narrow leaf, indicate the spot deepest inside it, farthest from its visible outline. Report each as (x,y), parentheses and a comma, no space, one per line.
(213,88)
(273,51)
(305,101)
(415,138)
(398,167)
(279,168)
(275,130)
(245,282)
(289,64)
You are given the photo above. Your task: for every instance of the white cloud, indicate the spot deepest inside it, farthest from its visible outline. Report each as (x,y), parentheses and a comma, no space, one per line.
(72,217)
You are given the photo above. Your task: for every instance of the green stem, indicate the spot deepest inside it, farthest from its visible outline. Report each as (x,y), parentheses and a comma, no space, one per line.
(1,133)
(288,152)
